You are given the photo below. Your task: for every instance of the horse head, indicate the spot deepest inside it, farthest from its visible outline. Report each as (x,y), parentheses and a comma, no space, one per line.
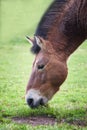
(49,71)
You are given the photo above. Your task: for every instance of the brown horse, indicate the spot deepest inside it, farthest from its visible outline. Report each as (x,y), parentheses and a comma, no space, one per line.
(60,32)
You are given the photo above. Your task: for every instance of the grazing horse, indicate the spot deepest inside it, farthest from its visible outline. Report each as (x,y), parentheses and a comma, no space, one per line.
(60,32)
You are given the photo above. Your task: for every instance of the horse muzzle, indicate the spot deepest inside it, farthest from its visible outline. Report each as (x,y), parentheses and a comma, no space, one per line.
(35,99)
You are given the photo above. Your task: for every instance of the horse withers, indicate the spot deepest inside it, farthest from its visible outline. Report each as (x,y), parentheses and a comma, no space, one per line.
(60,32)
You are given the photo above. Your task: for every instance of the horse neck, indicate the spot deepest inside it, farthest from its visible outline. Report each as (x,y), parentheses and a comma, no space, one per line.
(70,28)
(65,46)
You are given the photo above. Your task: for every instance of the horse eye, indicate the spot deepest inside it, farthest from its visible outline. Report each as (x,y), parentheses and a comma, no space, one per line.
(40,67)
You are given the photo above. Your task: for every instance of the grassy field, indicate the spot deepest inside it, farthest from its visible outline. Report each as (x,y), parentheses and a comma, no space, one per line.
(69,105)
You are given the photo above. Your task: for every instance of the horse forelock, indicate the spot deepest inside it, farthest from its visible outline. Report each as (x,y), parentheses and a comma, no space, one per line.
(35,48)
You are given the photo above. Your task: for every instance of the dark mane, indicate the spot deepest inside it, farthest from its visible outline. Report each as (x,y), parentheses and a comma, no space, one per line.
(47,20)
(49,17)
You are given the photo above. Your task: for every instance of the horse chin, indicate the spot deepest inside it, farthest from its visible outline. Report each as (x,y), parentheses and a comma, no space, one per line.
(34,98)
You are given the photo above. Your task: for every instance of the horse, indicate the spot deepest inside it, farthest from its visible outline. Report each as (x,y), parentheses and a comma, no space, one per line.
(61,30)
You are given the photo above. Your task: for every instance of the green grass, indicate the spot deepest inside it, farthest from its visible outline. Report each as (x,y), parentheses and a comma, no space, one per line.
(68,105)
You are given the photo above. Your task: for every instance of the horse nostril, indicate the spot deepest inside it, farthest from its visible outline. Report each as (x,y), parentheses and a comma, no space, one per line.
(41,102)
(34,103)
(30,101)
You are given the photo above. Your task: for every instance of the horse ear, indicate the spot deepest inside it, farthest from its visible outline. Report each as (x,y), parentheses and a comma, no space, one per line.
(30,40)
(40,42)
